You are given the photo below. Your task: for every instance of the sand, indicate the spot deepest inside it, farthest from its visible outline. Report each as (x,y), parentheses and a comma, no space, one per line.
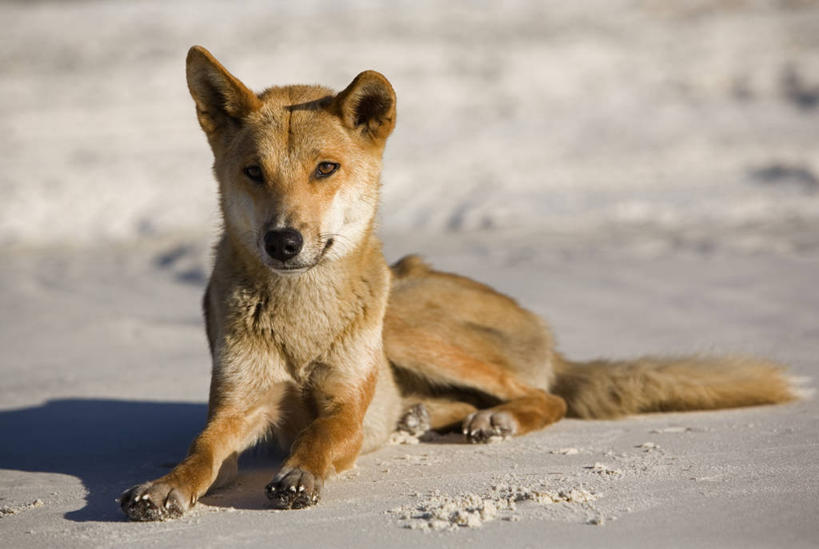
(105,376)
(642,175)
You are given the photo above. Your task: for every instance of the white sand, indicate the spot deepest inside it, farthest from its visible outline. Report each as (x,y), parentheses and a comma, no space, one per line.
(105,373)
(644,177)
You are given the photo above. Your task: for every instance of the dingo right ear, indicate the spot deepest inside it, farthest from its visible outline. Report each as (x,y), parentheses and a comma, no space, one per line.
(220,97)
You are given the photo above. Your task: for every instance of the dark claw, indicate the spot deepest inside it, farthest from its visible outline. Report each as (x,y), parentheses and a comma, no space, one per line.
(294,489)
(151,502)
(485,425)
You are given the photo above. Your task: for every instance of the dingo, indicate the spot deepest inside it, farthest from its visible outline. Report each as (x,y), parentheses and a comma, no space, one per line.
(316,341)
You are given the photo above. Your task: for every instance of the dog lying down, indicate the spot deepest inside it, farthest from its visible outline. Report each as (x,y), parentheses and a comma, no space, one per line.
(318,343)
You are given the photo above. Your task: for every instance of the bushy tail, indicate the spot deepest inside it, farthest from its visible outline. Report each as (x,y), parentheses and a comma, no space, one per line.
(607,389)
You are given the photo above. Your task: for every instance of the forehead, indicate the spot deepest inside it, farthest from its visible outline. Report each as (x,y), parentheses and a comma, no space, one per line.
(294,121)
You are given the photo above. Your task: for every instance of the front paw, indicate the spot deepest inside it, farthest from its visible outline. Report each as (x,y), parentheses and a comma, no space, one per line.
(294,489)
(154,501)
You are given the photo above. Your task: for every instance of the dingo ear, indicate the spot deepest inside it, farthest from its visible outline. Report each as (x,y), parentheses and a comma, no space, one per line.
(368,105)
(219,96)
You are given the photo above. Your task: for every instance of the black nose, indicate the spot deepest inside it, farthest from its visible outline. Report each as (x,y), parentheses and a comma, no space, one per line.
(282,244)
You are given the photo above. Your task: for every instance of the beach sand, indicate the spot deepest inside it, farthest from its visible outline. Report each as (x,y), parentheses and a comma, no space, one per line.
(105,371)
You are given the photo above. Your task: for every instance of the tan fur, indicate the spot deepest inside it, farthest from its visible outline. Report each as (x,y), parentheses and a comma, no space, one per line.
(609,389)
(325,348)
(448,335)
(298,353)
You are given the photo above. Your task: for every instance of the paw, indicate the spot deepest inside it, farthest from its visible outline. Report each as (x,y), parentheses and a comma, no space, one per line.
(294,489)
(489,426)
(154,501)
(415,420)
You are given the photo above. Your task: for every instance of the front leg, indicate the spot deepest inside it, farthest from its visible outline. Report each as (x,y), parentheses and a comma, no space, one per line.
(230,429)
(331,443)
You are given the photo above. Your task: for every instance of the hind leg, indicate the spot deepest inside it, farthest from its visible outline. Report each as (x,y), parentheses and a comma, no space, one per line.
(522,407)
(515,417)
(437,414)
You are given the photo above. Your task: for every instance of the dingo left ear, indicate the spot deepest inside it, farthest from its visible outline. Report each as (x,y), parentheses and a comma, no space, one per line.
(220,97)
(368,105)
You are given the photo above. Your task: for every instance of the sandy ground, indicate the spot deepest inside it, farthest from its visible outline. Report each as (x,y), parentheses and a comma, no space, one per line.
(105,372)
(641,173)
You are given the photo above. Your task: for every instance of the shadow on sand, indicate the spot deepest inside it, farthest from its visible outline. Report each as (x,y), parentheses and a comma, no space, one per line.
(108,444)
(111,445)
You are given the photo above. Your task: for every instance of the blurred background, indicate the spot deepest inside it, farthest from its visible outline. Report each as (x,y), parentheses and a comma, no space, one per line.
(552,117)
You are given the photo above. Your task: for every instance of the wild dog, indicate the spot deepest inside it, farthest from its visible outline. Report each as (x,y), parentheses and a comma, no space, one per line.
(315,341)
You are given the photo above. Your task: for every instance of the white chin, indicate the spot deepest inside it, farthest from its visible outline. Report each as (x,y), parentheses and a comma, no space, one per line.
(290,272)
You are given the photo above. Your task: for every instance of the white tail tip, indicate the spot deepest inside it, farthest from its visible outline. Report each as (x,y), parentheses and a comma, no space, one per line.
(798,388)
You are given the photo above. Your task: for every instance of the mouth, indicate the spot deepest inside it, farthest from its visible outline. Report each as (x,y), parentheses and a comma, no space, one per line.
(295,270)
(292,271)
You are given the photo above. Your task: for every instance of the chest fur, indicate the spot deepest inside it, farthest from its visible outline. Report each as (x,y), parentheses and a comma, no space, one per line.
(287,329)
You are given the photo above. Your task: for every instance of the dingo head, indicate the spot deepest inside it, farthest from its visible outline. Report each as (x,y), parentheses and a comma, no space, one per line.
(298,166)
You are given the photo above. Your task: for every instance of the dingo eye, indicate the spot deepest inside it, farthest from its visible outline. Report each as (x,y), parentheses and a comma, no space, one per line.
(326,169)
(254,173)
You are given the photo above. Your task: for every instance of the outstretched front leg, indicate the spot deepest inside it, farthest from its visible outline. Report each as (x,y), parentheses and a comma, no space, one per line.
(234,423)
(332,442)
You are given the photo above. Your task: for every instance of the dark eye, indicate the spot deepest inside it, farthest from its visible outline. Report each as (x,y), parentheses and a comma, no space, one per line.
(326,169)
(254,173)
